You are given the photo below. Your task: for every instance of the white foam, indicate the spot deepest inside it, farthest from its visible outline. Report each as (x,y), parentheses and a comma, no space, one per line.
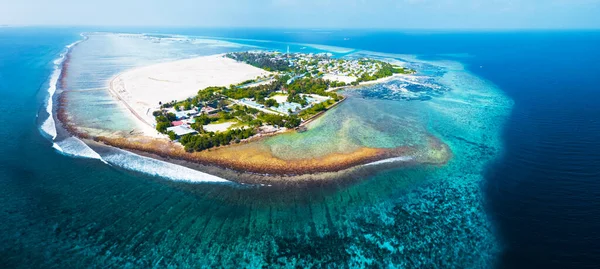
(330,48)
(76,148)
(392,160)
(155,167)
(49,125)
(213,42)
(70,146)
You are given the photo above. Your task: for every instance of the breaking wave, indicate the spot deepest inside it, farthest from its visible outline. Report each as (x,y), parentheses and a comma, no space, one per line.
(153,167)
(48,127)
(333,49)
(69,146)
(72,146)
(392,160)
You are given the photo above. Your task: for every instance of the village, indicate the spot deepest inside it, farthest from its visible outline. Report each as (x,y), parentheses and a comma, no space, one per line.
(340,71)
(224,114)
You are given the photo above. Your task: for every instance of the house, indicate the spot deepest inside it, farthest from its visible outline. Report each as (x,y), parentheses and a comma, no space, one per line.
(208,110)
(286,107)
(180,115)
(185,114)
(181,130)
(251,103)
(291,80)
(177,123)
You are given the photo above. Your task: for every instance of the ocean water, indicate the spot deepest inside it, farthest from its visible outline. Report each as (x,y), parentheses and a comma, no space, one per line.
(518,111)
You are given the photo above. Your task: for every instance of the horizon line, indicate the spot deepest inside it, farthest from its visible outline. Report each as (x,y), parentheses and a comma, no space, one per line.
(373,29)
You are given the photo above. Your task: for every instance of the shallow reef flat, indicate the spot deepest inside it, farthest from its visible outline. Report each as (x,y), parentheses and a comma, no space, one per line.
(262,167)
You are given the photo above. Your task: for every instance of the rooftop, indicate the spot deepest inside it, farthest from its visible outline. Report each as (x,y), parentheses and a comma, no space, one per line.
(181,130)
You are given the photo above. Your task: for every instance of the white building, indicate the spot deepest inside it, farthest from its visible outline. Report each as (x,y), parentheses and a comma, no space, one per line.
(181,130)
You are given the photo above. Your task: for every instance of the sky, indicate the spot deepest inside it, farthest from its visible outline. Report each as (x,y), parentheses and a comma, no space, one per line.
(393,14)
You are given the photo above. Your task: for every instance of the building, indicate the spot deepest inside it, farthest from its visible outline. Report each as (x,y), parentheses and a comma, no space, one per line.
(185,114)
(209,110)
(291,80)
(181,130)
(286,107)
(180,115)
(177,123)
(251,103)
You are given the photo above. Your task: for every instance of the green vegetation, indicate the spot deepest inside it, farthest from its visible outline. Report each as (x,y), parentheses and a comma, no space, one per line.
(261,60)
(246,116)
(334,84)
(162,126)
(172,135)
(247,82)
(163,120)
(271,102)
(289,122)
(209,96)
(204,141)
(309,112)
(259,93)
(295,98)
(309,85)
(386,70)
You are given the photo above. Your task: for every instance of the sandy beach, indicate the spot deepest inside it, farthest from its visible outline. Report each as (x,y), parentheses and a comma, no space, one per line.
(142,89)
(339,78)
(371,82)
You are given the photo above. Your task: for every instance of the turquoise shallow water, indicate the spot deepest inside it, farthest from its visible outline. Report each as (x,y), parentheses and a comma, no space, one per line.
(357,122)
(74,212)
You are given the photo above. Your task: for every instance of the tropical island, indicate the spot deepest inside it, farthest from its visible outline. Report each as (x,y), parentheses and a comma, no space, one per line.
(220,114)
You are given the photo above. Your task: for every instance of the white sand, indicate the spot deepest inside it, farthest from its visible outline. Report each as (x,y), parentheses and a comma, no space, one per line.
(382,80)
(280,98)
(346,79)
(265,82)
(141,89)
(220,127)
(371,82)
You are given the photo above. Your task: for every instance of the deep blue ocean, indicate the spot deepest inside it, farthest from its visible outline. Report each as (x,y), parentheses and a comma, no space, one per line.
(542,195)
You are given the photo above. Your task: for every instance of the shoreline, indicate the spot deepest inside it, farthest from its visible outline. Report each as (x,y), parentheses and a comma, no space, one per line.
(141,89)
(366,83)
(143,122)
(246,161)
